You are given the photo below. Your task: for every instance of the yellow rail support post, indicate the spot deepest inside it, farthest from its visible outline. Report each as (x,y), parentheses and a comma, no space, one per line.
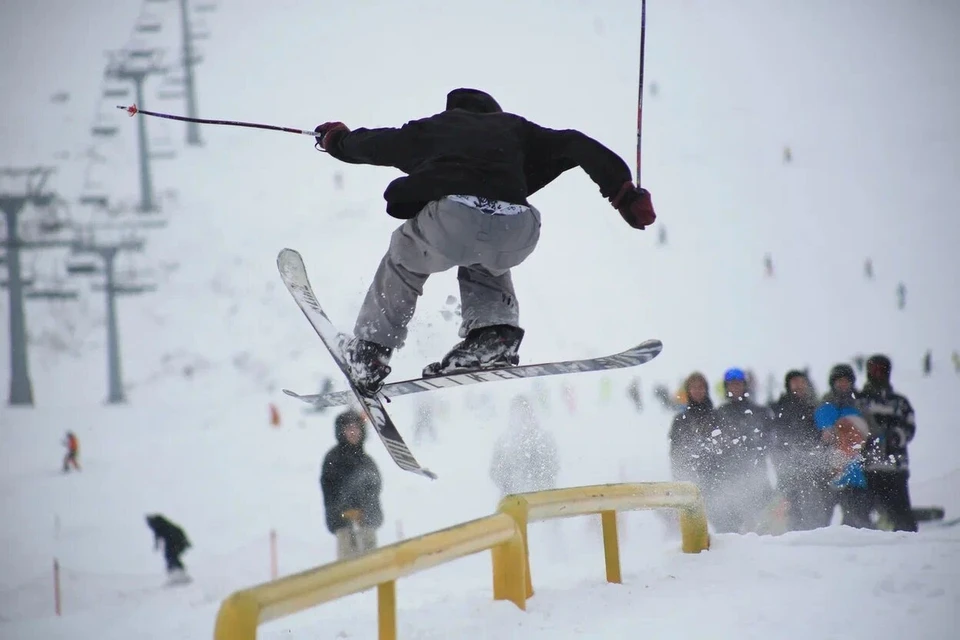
(387,610)
(607,499)
(242,612)
(611,546)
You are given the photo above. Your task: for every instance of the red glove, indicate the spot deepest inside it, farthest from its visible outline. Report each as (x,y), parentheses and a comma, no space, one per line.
(635,206)
(329,132)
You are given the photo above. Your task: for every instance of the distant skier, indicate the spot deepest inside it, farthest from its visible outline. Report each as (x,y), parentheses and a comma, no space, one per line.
(351,486)
(175,543)
(73,452)
(470,170)
(635,394)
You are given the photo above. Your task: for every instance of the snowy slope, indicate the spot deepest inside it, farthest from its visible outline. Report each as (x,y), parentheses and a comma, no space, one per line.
(863,97)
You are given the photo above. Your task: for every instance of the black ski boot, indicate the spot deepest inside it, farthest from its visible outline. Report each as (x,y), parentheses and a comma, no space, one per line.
(366,363)
(493,347)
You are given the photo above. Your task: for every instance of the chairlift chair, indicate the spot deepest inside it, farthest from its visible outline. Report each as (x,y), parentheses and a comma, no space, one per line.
(101,131)
(26,281)
(141,54)
(94,201)
(53,225)
(52,294)
(82,268)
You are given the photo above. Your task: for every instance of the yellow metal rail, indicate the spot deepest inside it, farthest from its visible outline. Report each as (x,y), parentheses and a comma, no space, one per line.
(504,533)
(607,499)
(241,613)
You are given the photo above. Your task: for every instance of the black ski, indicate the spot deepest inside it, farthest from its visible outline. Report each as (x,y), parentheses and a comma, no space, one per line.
(643,352)
(294,275)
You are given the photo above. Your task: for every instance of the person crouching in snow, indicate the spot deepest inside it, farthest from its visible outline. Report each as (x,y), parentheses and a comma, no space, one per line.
(175,542)
(351,486)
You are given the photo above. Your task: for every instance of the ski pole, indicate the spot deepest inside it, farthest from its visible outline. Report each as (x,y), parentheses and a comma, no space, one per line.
(132,110)
(643,34)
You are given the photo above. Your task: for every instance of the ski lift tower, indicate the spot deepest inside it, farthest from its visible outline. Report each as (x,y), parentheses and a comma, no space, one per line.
(107,253)
(19,288)
(136,66)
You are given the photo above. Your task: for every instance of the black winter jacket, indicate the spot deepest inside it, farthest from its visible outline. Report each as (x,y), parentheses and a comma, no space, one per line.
(349,479)
(173,536)
(794,440)
(741,444)
(495,155)
(690,435)
(892,427)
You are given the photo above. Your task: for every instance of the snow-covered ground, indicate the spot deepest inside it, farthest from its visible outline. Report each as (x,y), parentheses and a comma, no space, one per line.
(863,96)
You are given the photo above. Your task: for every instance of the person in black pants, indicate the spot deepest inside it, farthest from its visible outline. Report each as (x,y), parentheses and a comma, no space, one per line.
(798,456)
(175,542)
(887,466)
(351,485)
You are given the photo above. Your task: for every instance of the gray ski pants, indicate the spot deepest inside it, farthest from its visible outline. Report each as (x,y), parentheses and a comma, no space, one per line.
(443,235)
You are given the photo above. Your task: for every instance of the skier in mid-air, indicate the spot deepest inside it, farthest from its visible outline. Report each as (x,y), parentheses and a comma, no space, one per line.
(470,170)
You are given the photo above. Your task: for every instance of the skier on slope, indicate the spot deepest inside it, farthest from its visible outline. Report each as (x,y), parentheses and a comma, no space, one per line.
(470,170)
(175,543)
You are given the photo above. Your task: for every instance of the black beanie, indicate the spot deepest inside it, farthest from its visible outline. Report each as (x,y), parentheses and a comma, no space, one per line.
(842,371)
(879,368)
(472,100)
(793,373)
(347,418)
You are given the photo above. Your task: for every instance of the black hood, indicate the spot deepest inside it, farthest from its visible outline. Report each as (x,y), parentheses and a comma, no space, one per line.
(842,371)
(346,418)
(472,100)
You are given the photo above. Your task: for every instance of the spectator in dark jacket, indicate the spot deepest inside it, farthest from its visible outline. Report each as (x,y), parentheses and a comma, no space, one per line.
(844,429)
(175,542)
(798,456)
(886,464)
(350,482)
(743,491)
(690,433)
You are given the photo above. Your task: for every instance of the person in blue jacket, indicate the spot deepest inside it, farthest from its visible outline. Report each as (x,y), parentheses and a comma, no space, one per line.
(844,429)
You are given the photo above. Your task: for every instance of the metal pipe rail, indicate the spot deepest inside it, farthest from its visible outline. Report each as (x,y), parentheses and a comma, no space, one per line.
(607,499)
(241,613)
(504,533)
